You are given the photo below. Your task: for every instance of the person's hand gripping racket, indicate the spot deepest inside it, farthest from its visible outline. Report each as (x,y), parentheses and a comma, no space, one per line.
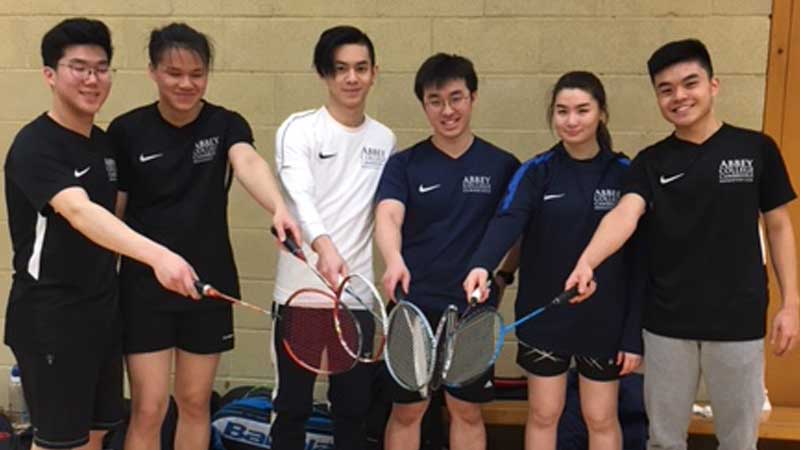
(175,273)
(478,278)
(282,221)
(396,279)
(329,263)
(582,277)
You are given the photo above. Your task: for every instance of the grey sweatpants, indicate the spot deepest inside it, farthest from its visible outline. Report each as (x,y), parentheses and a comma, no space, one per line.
(733,373)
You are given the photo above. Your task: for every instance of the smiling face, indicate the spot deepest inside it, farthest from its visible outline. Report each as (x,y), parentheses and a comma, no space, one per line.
(576,116)
(353,76)
(685,94)
(81,80)
(449,109)
(182,78)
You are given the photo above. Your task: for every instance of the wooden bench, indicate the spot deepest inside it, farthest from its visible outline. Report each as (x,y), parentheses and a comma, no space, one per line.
(783,423)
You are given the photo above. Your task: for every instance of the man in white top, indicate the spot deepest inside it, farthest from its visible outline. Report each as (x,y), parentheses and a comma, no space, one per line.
(329,163)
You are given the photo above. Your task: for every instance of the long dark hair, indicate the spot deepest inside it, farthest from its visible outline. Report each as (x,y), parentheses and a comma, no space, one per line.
(589,83)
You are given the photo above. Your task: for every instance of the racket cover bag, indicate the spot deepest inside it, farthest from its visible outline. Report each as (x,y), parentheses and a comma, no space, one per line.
(244,424)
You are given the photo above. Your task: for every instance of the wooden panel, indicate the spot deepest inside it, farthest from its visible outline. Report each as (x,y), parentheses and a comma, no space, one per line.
(782,423)
(781,119)
(776,70)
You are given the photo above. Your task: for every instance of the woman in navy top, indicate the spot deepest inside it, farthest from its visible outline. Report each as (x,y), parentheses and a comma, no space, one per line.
(555,202)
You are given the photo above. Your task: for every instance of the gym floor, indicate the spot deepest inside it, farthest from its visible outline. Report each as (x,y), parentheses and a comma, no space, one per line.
(511,438)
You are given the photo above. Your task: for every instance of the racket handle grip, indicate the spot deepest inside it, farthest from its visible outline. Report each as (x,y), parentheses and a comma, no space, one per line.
(290,244)
(564,297)
(475,297)
(201,287)
(399,295)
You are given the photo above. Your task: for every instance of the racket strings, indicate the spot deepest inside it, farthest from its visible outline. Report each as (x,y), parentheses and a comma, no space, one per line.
(473,347)
(363,299)
(409,347)
(314,338)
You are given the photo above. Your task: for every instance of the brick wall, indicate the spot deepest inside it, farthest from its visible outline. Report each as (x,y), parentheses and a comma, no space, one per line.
(263,70)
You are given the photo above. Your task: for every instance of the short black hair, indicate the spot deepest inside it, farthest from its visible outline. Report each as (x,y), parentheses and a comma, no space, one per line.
(333,38)
(74,31)
(442,68)
(179,36)
(675,52)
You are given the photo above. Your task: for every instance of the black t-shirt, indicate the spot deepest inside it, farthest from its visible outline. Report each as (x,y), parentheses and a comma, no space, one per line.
(703,204)
(64,287)
(177,181)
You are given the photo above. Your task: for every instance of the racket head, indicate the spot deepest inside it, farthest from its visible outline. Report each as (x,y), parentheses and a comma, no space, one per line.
(314,332)
(442,350)
(474,346)
(360,295)
(409,347)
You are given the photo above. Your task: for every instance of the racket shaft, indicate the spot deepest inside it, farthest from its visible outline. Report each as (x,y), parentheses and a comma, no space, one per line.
(562,299)
(209,291)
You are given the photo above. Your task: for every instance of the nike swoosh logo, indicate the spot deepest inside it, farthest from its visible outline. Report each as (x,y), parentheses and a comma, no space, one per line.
(667,180)
(80,173)
(144,159)
(324,156)
(424,189)
(553,196)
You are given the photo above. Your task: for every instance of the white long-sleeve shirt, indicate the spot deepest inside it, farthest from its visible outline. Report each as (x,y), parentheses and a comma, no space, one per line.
(329,173)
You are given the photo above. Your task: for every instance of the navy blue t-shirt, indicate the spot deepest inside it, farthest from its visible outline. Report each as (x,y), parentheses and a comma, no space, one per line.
(556,202)
(448,204)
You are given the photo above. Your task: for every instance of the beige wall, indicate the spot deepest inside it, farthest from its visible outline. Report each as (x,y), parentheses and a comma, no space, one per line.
(263,70)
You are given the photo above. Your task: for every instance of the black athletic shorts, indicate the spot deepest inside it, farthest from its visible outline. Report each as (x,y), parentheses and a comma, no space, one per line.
(546,363)
(72,392)
(204,332)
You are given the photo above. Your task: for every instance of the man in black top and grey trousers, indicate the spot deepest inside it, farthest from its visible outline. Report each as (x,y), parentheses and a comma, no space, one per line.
(702,191)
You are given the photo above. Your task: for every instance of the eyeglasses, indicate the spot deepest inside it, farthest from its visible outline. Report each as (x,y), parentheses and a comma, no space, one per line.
(456,101)
(84,71)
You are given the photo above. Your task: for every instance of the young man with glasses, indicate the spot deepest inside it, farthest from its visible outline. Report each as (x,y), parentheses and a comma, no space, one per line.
(435,201)
(62,319)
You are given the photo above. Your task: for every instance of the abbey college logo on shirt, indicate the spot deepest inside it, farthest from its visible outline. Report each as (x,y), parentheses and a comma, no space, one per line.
(605,199)
(205,150)
(477,184)
(372,158)
(736,171)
